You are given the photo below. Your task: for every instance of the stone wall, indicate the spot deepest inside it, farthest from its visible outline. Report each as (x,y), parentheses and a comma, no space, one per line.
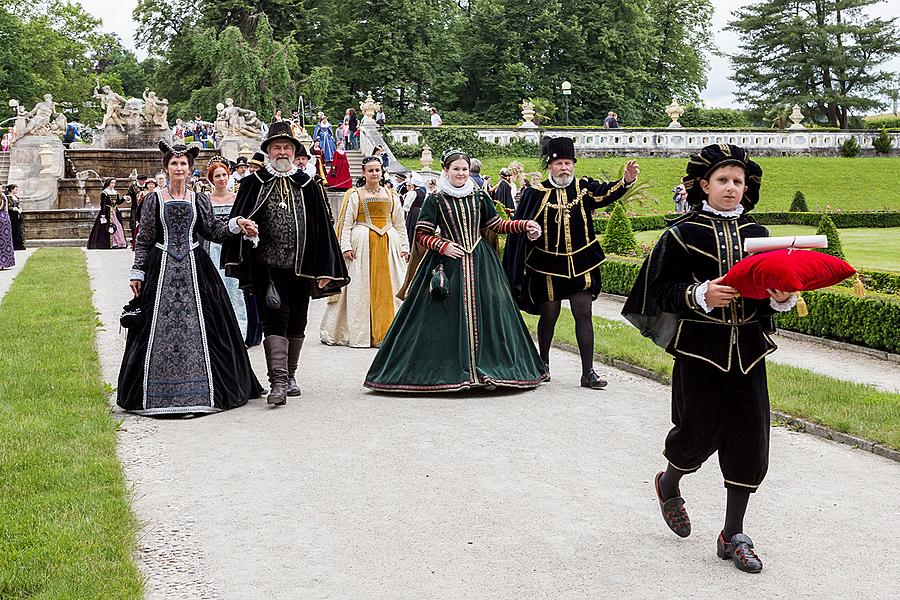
(674,142)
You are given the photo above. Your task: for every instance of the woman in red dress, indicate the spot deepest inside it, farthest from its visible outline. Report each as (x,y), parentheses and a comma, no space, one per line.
(339,176)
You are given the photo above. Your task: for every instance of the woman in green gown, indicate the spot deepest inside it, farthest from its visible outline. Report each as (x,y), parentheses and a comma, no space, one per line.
(458,327)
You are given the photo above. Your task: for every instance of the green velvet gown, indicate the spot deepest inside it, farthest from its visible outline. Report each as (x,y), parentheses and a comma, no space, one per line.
(475,337)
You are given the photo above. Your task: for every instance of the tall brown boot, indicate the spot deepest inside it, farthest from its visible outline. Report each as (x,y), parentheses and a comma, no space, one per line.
(296,344)
(276,348)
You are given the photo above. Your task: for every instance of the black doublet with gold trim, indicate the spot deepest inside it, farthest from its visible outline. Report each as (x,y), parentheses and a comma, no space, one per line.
(566,258)
(662,302)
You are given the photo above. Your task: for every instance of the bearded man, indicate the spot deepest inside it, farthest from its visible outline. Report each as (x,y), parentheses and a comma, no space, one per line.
(293,256)
(564,262)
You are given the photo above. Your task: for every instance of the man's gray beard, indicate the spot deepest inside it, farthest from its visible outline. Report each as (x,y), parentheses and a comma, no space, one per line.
(563,182)
(282,165)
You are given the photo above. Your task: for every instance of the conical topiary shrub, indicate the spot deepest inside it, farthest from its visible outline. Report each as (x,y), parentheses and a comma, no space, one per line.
(799,203)
(619,237)
(827,228)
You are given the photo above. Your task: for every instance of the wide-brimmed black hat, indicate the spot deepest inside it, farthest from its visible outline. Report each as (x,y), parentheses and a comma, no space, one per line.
(281,130)
(557,148)
(241,161)
(259,159)
(701,165)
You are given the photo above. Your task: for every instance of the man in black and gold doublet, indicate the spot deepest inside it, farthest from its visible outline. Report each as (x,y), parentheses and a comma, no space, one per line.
(297,255)
(564,262)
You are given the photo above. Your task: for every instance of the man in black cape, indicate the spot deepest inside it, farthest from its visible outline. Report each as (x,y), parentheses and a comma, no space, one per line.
(564,263)
(295,255)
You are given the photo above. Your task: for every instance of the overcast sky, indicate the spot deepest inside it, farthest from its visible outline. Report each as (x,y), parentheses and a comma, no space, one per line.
(719,90)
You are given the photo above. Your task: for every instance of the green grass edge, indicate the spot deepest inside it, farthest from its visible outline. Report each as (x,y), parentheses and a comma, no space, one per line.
(66,526)
(843,406)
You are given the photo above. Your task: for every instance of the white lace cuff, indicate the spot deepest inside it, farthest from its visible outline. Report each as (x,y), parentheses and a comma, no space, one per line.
(135,274)
(233,227)
(700,295)
(784,306)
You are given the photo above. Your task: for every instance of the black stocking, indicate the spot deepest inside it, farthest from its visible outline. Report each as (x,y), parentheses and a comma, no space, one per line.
(734,512)
(546,327)
(584,329)
(669,483)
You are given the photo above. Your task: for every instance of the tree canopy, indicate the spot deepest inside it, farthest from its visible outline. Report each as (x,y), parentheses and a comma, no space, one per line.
(822,54)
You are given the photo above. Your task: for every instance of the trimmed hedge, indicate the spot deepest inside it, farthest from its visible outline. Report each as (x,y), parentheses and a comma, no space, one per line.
(834,313)
(842,220)
(877,281)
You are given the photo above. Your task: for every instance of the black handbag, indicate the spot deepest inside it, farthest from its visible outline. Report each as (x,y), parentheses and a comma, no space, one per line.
(131,316)
(440,288)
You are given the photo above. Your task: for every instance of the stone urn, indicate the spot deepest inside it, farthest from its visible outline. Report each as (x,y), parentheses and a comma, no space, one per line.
(674,110)
(528,115)
(427,158)
(368,108)
(796,118)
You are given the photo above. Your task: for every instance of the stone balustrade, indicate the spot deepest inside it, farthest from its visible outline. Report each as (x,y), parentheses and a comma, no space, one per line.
(674,142)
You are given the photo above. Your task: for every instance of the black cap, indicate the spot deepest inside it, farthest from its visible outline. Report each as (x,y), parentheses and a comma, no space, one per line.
(259,159)
(241,161)
(701,165)
(557,148)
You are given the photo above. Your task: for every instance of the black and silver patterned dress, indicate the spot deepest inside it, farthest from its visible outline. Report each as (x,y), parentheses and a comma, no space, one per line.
(188,355)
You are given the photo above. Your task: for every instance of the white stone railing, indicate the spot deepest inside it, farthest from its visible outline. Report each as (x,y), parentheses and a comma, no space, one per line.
(672,141)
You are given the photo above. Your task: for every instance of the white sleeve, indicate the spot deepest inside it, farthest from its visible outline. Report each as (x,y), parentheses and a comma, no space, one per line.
(700,295)
(349,220)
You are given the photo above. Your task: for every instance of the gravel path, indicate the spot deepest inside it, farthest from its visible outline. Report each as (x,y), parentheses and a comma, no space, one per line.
(840,364)
(546,494)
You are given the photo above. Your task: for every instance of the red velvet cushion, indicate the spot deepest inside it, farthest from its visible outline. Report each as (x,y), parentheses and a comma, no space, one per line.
(786,270)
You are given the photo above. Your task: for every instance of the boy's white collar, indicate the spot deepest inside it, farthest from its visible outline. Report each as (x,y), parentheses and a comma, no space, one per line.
(734,212)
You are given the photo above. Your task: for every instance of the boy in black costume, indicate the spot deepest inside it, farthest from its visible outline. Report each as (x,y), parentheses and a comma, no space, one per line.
(720,399)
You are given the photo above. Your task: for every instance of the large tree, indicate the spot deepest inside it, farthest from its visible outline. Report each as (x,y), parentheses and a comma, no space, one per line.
(822,54)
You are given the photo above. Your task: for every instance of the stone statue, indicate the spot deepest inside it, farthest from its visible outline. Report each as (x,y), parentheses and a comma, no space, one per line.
(674,111)
(368,107)
(796,118)
(155,109)
(40,120)
(236,123)
(112,104)
(527,114)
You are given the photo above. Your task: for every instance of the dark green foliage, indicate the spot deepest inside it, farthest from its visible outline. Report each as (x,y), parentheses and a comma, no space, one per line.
(825,56)
(837,314)
(877,281)
(619,237)
(841,220)
(883,142)
(799,203)
(834,313)
(618,275)
(827,228)
(850,148)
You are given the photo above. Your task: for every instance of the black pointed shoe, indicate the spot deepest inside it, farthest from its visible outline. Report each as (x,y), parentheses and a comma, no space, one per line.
(593,381)
(673,511)
(740,550)
(547,369)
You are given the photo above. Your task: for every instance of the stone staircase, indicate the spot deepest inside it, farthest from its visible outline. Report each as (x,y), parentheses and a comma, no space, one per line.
(4,167)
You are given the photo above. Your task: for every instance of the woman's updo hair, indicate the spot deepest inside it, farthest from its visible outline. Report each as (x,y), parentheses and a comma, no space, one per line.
(451,155)
(213,166)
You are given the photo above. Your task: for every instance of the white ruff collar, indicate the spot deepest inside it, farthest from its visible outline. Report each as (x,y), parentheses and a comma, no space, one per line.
(734,212)
(272,170)
(445,186)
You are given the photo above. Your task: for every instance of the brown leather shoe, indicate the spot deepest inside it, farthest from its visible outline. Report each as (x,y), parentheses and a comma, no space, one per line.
(673,511)
(740,550)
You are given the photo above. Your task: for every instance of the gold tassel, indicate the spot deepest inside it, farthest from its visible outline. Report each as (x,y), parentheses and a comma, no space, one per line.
(858,288)
(802,310)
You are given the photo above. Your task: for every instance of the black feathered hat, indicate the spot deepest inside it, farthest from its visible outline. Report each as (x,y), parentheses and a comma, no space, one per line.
(170,152)
(281,130)
(557,148)
(701,166)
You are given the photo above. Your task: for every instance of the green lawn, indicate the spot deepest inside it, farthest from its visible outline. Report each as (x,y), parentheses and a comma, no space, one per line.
(877,249)
(838,183)
(66,529)
(848,407)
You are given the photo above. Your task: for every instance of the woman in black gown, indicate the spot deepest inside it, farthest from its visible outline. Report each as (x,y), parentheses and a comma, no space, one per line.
(15,216)
(107,231)
(186,356)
